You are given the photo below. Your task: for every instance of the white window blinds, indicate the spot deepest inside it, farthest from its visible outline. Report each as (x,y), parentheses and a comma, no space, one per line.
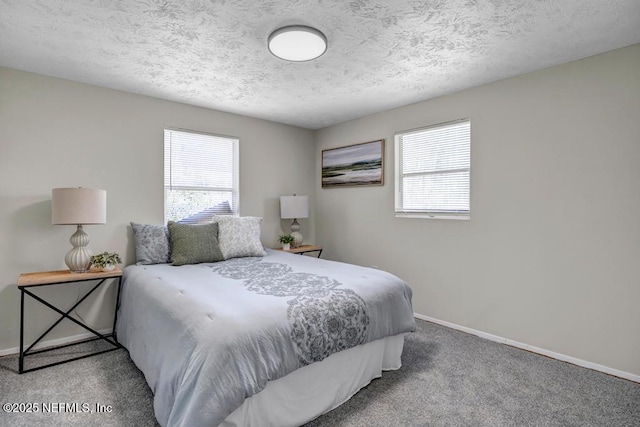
(433,168)
(200,176)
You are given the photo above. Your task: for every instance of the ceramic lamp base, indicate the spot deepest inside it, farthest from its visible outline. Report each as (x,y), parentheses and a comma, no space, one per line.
(295,232)
(78,259)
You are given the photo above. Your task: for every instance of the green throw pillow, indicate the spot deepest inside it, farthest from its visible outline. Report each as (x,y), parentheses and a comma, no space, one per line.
(194,243)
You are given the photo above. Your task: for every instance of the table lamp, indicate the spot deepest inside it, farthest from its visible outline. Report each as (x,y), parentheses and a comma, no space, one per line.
(78,206)
(294,207)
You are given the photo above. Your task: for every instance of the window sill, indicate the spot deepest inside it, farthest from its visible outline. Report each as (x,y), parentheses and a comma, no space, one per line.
(464,217)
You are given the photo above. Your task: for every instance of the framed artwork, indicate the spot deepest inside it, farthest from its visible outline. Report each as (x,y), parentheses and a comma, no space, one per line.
(354,165)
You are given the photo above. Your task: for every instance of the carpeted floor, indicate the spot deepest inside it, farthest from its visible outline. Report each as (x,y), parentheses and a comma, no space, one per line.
(448,378)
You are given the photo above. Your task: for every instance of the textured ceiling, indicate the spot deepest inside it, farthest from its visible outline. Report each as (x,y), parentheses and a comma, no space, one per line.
(382,54)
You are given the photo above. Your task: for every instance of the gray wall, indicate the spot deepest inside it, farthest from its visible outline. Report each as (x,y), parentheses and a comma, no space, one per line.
(57,133)
(551,255)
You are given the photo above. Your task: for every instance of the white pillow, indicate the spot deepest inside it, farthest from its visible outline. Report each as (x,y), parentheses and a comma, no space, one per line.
(239,236)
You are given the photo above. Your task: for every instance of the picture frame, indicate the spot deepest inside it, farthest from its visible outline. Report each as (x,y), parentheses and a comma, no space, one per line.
(354,165)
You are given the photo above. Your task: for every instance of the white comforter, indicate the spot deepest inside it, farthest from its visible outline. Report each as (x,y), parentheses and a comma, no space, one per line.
(208,336)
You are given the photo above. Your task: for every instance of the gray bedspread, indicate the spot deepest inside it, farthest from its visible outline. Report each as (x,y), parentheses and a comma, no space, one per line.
(208,336)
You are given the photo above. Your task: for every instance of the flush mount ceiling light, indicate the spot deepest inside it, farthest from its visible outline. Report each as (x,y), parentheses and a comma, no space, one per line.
(297,43)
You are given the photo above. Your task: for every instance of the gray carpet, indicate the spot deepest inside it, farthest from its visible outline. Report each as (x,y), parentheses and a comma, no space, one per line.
(448,378)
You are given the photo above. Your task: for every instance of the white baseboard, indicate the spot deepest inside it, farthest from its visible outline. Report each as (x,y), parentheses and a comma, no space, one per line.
(569,359)
(58,341)
(607,370)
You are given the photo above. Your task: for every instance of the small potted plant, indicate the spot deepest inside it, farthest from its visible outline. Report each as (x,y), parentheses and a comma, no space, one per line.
(286,240)
(105,261)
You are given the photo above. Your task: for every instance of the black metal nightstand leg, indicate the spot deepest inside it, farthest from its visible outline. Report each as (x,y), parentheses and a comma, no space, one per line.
(21,360)
(115,315)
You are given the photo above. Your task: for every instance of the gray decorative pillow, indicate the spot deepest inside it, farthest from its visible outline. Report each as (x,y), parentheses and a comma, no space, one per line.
(239,236)
(207,215)
(152,244)
(194,243)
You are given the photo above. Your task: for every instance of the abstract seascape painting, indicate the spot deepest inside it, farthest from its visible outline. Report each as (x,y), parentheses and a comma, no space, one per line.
(354,165)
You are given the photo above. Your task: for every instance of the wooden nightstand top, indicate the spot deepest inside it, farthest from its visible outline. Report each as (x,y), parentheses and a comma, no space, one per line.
(302,249)
(62,276)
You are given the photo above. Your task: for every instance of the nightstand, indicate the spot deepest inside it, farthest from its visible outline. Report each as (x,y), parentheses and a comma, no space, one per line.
(57,278)
(303,249)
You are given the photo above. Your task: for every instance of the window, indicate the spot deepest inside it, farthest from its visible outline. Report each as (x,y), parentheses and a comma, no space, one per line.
(200,176)
(433,166)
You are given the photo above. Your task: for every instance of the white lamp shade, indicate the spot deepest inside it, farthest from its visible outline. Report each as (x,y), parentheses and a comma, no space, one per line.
(78,206)
(294,207)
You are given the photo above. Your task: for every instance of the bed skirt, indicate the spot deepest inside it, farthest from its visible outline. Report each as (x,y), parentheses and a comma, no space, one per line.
(313,390)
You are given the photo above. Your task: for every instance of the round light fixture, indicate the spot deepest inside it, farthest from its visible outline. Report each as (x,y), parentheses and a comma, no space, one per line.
(297,43)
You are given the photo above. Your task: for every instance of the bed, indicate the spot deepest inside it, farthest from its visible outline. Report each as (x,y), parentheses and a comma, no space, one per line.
(272,340)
